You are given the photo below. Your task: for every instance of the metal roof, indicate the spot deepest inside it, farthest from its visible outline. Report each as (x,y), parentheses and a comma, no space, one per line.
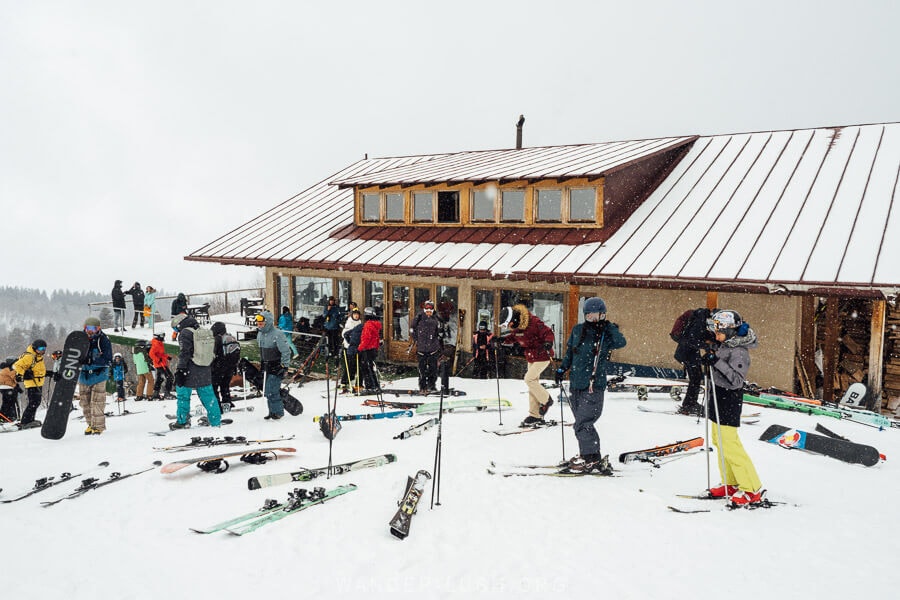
(783,210)
(548,162)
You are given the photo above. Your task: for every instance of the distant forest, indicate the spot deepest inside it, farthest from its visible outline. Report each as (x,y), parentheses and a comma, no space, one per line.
(29,314)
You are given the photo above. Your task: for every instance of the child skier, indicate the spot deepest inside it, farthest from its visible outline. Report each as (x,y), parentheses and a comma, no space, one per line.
(117,370)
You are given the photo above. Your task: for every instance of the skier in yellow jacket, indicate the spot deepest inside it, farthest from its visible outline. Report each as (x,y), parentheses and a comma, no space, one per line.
(31,370)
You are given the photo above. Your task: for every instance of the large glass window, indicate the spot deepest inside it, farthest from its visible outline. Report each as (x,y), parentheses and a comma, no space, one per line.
(400,313)
(547,306)
(371,207)
(310,297)
(447,303)
(512,206)
(393,207)
(282,292)
(484,309)
(583,204)
(483,203)
(423,206)
(375,296)
(549,205)
(343,294)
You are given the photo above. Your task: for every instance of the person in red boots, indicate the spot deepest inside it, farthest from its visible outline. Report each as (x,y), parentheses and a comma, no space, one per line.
(369,342)
(728,360)
(161,363)
(536,340)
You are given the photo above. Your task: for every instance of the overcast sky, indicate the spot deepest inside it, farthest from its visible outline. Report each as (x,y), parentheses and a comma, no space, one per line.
(132,133)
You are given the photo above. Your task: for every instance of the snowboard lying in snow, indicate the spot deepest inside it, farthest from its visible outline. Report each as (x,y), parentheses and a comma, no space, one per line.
(834,447)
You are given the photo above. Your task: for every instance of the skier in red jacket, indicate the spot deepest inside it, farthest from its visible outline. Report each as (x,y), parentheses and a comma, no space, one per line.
(369,342)
(536,340)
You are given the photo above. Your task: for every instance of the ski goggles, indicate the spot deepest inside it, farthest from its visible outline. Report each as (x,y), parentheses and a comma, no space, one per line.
(41,349)
(260,319)
(91,328)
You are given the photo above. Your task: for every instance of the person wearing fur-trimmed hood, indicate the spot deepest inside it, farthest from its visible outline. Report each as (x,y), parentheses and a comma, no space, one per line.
(536,340)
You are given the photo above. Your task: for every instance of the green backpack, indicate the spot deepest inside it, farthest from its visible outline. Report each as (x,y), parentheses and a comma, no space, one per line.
(204,347)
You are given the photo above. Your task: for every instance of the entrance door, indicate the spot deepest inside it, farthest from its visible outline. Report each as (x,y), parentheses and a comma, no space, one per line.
(397,333)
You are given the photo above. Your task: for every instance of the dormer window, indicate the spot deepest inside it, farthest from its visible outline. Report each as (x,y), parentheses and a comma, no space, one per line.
(549,203)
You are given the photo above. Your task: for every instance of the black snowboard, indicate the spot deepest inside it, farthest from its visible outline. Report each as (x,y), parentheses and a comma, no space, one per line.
(68,367)
(844,450)
(415,487)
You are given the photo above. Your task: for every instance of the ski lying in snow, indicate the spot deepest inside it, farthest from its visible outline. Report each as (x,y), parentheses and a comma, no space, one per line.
(217,463)
(368,416)
(208,442)
(397,392)
(392,404)
(417,429)
(299,499)
(255,483)
(92,483)
(650,454)
(843,450)
(451,405)
(746,418)
(199,410)
(863,417)
(45,483)
(415,487)
(523,428)
(766,503)
(201,422)
(270,505)
(110,413)
(557,470)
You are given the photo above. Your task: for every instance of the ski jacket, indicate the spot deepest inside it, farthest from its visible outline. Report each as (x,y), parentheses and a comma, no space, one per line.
(425,332)
(532,335)
(370,336)
(158,354)
(117,370)
(332,316)
(694,338)
(733,361)
(150,300)
(98,358)
(8,377)
(349,326)
(196,376)
(137,297)
(141,366)
(118,296)
(286,322)
(179,305)
(590,342)
(352,338)
(481,345)
(32,368)
(273,347)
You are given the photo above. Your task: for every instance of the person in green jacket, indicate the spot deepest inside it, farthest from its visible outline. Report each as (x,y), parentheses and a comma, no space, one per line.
(586,350)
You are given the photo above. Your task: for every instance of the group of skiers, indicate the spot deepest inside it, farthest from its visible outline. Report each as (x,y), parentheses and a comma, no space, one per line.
(143,304)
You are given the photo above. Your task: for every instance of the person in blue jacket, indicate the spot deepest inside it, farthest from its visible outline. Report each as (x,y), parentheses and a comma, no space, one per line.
(275,358)
(333,326)
(92,380)
(586,350)
(286,324)
(117,371)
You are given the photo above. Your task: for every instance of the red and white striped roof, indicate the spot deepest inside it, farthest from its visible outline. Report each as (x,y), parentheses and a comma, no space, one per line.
(801,209)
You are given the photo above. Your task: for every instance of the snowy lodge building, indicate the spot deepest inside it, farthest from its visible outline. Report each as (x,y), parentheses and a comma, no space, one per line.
(796,230)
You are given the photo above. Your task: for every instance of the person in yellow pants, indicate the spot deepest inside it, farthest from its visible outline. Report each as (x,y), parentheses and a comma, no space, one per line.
(728,359)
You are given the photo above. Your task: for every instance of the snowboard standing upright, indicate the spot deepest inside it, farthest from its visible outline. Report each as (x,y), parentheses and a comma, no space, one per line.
(415,487)
(69,368)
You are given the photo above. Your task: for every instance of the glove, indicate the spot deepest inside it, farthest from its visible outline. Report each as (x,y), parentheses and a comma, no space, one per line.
(548,345)
(181,377)
(710,358)
(559,376)
(19,378)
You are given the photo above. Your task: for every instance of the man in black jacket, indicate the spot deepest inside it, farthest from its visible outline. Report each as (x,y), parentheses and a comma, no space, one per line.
(118,302)
(694,337)
(137,300)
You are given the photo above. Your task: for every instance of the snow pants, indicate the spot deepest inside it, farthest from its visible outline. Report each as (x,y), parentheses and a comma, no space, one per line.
(144,380)
(587,408)
(735,466)
(272,391)
(33,394)
(537,394)
(92,399)
(428,362)
(207,399)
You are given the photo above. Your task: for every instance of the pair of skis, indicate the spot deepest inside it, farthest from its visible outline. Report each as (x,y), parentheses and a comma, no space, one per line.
(299,499)
(45,483)
(255,483)
(208,442)
(93,483)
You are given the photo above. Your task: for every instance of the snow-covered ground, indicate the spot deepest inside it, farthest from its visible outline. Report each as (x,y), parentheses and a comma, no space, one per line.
(490,537)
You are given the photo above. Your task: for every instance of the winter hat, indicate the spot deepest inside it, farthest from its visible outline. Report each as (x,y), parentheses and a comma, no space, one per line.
(117,355)
(92,322)
(218,328)
(118,282)
(482,325)
(594,305)
(159,336)
(39,344)
(177,319)
(355,311)
(369,311)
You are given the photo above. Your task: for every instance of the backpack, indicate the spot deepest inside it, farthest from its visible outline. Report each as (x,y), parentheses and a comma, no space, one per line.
(681,324)
(204,347)
(230,344)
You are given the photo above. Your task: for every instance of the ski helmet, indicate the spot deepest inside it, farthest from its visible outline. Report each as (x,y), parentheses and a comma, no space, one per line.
(177,319)
(594,305)
(159,336)
(39,345)
(724,319)
(428,304)
(369,311)
(117,355)
(482,325)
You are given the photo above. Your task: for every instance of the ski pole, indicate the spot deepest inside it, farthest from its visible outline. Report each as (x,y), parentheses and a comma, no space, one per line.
(436,481)
(562,419)
(497,376)
(706,417)
(712,385)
